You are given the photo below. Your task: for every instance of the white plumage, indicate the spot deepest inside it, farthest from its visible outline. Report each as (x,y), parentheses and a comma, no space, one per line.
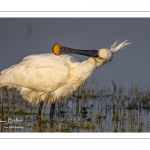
(50,78)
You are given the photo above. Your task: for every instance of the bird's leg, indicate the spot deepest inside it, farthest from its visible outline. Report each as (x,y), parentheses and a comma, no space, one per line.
(52,111)
(40,110)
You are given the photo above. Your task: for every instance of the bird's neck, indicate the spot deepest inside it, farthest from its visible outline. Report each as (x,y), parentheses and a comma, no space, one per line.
(82,72)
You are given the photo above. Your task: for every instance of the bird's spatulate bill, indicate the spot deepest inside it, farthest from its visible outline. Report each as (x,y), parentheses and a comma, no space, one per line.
(58,49)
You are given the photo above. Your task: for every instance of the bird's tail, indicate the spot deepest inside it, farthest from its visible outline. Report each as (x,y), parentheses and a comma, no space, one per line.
(1,84)
(114,48)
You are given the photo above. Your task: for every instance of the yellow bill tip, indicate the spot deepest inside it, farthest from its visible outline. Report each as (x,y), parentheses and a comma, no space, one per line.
(56,49)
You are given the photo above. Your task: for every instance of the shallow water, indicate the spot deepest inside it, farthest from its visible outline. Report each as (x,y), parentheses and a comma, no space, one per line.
(88,110)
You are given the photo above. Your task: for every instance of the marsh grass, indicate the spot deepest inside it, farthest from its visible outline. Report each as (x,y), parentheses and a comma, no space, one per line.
(89,109)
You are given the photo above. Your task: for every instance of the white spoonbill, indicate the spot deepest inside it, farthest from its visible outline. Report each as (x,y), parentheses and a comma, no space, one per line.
(49,78)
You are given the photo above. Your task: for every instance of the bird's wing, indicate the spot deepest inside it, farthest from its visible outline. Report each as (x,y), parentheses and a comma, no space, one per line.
(43,72)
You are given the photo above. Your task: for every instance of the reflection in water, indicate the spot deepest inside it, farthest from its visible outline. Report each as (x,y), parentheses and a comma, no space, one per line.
(88,110)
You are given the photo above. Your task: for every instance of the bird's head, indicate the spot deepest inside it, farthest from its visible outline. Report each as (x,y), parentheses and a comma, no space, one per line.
(101,56)
(104,54)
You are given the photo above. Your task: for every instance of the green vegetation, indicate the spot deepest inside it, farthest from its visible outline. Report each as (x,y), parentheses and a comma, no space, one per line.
(90,109)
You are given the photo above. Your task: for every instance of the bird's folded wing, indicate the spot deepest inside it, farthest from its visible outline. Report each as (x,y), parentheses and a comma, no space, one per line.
(45,72)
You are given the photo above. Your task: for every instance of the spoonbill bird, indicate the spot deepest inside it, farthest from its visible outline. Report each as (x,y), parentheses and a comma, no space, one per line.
(49,78)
